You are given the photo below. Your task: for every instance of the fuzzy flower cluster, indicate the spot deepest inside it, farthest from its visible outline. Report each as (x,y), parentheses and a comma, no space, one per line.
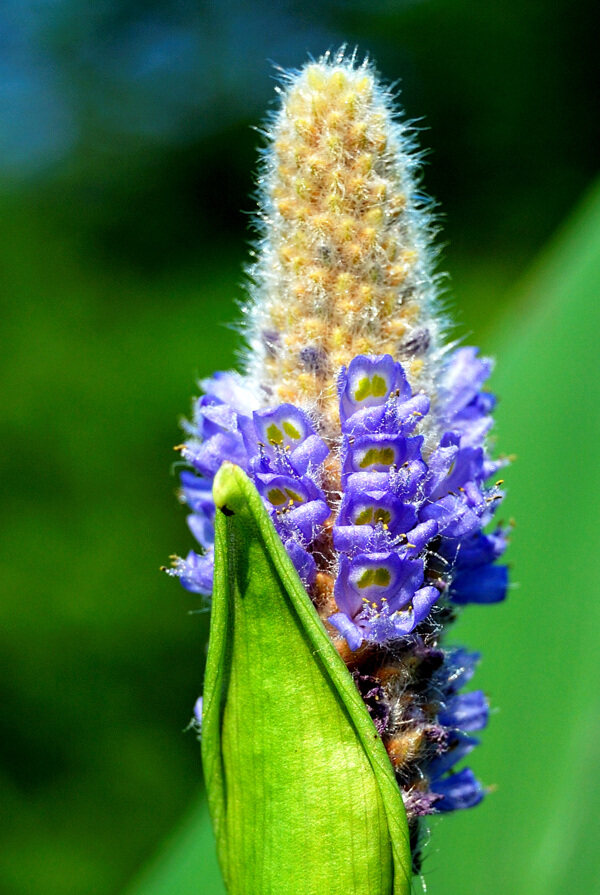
(375,465)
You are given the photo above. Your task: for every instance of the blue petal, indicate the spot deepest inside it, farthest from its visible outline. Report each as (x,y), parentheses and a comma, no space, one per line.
(458,791)
(202,528)
(468,711)
(480,549)
(304,563)
(379,453)
(393,418)
(460,667)
(284,426)
(455,518)
(302,521)
(361,539)
(485,584)
(347,629)
(197,493)
(309,455)
(377,578)
(463,379)
(206,457)
(376,508)
(232,389)
(459,747)
(195,572)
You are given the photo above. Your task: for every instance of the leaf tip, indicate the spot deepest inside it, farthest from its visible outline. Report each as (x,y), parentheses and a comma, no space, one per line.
(227,489)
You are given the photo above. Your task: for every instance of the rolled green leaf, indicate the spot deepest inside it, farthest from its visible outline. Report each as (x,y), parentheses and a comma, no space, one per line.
(301,791)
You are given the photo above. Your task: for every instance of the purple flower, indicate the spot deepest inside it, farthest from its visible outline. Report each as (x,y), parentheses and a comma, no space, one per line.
(303,561)
(457,747)
(377,578)
(197,494)
(364,432)
(459,669)
(462,396)
(405,534)
(381,597)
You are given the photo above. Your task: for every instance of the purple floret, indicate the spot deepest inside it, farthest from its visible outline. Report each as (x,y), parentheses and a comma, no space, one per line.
(369,382)
(195,571)
(376,509)
(381,597)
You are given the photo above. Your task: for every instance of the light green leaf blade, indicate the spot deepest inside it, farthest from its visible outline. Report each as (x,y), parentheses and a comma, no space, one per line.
(187,862)
(536,834)
(301,790)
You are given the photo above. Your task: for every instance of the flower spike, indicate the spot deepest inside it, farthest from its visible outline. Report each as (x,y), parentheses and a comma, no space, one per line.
(364,435)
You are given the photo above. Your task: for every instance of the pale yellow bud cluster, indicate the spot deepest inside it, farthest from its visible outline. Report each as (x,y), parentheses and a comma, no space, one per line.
(343,268)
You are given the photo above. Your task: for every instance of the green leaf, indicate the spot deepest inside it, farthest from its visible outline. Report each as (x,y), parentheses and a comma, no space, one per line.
(187,862)
(536,834)
(301,791)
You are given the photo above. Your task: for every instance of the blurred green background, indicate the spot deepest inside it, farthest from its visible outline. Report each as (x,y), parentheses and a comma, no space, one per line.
(126,160)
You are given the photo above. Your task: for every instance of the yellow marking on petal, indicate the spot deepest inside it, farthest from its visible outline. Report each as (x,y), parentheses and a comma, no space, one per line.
(377,456)
(364,389)
(382,576)
(276,497)
(379,577)
(378,386)
(291,430)
(274,434)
